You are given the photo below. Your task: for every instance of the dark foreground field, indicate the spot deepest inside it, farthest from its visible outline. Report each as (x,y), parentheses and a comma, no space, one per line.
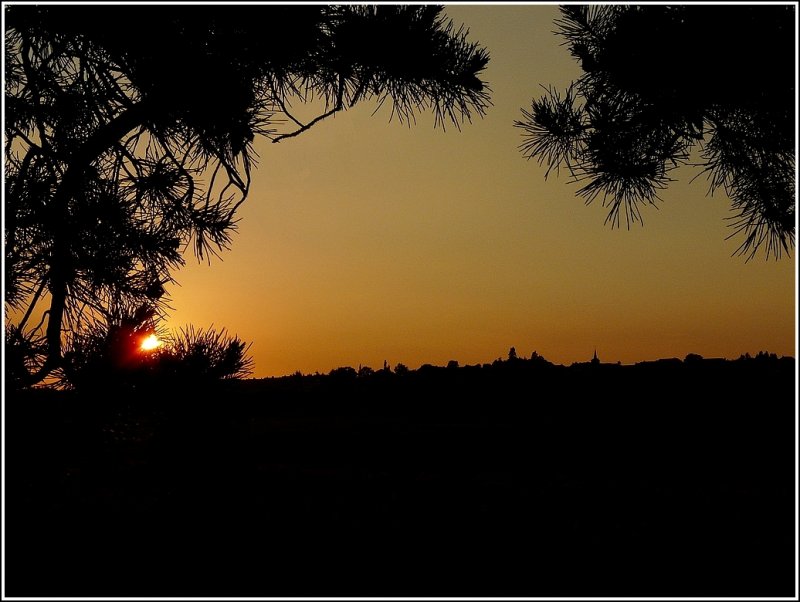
(671,480)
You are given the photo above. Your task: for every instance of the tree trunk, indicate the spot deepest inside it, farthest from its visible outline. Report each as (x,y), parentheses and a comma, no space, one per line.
(61,265)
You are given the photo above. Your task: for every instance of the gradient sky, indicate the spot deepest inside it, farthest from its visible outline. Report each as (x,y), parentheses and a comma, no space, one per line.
(364,240)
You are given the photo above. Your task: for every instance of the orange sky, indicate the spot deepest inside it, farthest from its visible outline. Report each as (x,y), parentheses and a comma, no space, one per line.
(364,240)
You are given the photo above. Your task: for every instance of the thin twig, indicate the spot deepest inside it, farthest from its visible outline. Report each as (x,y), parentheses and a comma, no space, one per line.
(337,107)
(32,304)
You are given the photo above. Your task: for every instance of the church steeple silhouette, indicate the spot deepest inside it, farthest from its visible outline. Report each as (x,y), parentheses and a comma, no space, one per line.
(595,360)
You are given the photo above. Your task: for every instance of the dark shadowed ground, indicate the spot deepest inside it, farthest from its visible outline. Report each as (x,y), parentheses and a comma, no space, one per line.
(666,479)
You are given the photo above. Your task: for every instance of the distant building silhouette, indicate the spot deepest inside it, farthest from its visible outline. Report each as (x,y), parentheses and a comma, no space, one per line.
(595,363)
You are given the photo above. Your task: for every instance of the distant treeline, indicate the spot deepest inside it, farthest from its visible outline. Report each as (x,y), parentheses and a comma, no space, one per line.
(538,363)
(518,386)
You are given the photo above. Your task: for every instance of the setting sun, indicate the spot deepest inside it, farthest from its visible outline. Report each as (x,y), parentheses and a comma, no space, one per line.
(150,343)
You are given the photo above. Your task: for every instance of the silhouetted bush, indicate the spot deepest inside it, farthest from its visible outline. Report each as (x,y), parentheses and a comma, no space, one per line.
(198,354)
(111,357)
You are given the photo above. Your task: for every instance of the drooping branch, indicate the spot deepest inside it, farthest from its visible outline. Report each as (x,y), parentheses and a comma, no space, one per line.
(629,120)
(102,219)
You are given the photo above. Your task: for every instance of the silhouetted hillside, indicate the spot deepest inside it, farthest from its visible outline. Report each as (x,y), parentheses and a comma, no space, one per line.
(515,478)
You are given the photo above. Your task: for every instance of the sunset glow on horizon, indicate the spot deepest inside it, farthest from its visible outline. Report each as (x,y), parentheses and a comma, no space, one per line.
(365,240)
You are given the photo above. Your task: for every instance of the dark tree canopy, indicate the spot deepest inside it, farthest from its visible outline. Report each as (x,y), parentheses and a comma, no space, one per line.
(659,81)
(129,135)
